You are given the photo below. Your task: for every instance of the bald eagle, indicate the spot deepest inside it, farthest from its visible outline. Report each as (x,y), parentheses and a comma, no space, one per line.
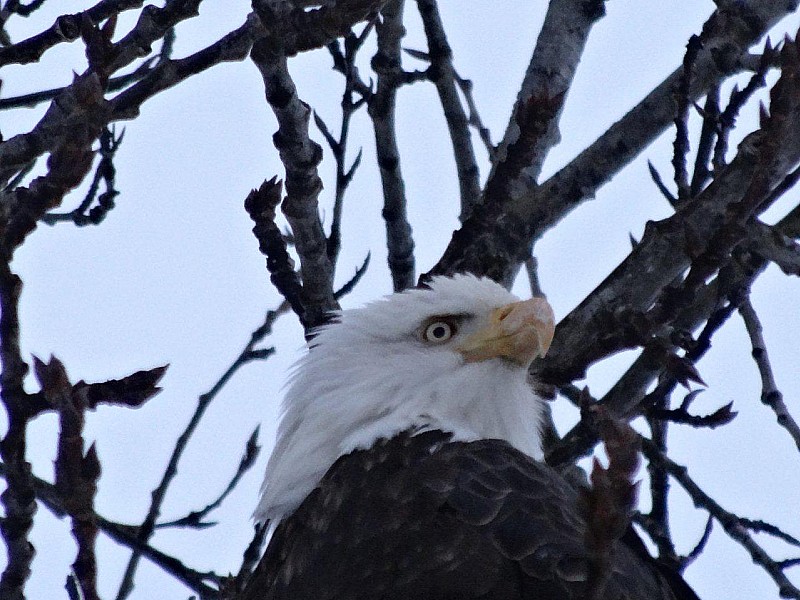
(408,463)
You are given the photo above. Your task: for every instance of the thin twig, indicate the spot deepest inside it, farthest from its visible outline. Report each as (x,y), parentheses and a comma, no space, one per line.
(345,63)
(721,416)
(350,284)
(701,544)
(195,518)
(682,103)
(732,524)
(203,402)
(251,556)
(465,85)
(656,177)
(761,527)
(738,98)
(442,74)
(106,172)
(770,394)
(705,146)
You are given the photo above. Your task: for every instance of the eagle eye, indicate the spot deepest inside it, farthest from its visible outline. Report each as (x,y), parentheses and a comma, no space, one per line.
(439,330)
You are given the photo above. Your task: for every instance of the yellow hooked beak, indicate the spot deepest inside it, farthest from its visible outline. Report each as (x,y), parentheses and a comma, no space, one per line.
(518,332)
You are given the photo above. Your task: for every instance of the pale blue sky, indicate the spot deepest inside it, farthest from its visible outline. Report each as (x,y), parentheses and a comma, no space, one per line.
(174,275)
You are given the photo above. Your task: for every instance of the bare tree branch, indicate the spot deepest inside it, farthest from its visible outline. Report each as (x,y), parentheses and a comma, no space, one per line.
(301,27)
(738,98)
(235,46)
(770,394)
(300,156)
(76,473)
(67,28)
(78,117)
(145,531)
(682,102)
(682,281)
(105,171)
(670,246)
(125,535)
(533,128)
(18,498)
(627,396)
(443,75)
(261,205)
(656,177)
(730,522)
(387,64)
(195,518)
(466,85)
(771,244)
(495,239)
(710,114)
(345,62)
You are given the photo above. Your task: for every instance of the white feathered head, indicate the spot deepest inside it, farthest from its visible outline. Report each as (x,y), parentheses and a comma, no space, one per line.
(452,357)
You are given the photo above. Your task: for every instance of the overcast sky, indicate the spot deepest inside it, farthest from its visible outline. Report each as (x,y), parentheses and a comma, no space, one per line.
(174,275)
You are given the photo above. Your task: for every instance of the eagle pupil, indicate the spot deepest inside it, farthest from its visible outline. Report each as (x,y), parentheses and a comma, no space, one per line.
(438,331)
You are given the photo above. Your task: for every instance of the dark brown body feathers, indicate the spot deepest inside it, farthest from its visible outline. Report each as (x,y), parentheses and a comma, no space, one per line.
(418,516)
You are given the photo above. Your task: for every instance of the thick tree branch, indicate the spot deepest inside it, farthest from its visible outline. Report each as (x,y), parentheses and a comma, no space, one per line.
(499,238)
(67,28)
(705,229)
(153,24)
(300,156)
(495,239)
(387,64)
(533,128)
(261,204)
(18,498)
(300,28)
(234,46)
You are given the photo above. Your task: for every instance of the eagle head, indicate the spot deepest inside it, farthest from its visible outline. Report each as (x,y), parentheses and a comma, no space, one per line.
(453,356)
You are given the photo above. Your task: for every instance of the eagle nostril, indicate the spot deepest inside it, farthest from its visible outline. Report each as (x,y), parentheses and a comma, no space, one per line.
(503,312)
